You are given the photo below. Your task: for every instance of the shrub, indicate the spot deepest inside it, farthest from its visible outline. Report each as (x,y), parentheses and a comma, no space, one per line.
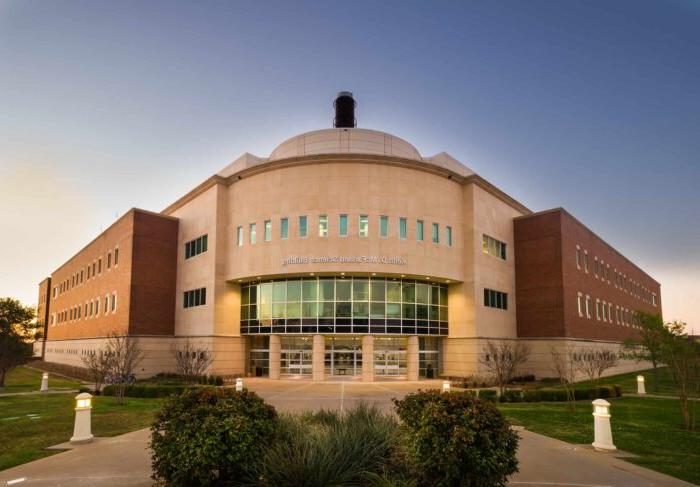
(456,439)
(512,396)
(329,448)
(523,378)
(552,395)
(488,395)
(210,436)
(146,390)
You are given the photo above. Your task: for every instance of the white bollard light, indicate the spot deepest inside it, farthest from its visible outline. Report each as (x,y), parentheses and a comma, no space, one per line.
(602,440)
(239,384)
(640,385)
(445,386)
(82,432)
(44,382)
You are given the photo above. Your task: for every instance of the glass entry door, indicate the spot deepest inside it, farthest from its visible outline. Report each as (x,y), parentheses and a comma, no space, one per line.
(343,356)
(390,357)
(296,356)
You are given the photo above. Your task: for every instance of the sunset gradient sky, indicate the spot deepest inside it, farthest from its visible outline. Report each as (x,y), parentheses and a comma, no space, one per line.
(593,106)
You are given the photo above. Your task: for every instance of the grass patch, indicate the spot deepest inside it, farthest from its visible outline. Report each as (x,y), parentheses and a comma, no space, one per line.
(25,379)
(650,428)
(628,382)
(24,439)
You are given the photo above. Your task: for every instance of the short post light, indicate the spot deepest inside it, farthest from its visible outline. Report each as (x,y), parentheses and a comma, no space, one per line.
(445,386)
(640,385)
(44,382)
(82,432)
(602,440)
(239,384)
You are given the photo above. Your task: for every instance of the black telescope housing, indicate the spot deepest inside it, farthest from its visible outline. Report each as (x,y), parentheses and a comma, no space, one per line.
(344,110)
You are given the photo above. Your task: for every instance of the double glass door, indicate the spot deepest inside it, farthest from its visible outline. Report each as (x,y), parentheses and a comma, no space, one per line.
(296,356)
(343,356)
(390,357)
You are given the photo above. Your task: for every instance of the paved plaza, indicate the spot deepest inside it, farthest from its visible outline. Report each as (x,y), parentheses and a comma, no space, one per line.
(124,460)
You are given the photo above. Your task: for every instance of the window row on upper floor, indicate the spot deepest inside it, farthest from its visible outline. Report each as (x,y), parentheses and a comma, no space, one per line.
(436,234)
(612,276)
(603,311)
(84,274)
(87,310)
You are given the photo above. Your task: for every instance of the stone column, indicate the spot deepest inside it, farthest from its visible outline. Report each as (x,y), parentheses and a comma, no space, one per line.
(318,358)
(368,358)
(412,358)
(275,356)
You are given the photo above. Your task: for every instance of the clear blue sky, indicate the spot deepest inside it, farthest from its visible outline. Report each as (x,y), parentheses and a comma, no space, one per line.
(593,106)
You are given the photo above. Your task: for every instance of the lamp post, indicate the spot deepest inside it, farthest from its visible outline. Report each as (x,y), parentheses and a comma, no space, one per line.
(44,382)
(640,385)
(601,422)
(239,384)
(82,432)
(445,386)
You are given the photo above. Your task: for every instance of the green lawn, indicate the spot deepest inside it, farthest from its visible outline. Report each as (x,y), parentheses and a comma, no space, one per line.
(24,379)
(650,428)
(24,438)
(629,382)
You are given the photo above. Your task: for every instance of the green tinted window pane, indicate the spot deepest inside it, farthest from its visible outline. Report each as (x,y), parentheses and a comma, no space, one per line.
(408,311)
(244,312)
(422,293)
(434,294)
(293,290)
(278,310)
(245,295)
(419,230)
(326,290)
(343,290)
(253,312)
(284,228)
(402,228)
(443,296)
(265,293)
(384,226)
(309,290)
(436,233)
(434,313)
(279,291)
(265,311)
(343,225)
(253,290)
(360,289)
(343,309)
(377,310)
(393,310)
(422,311)
(327,310)
(443,313)
(377,288)
(360,310)
(393,291)
(409,292)
(309,310)
(302,226)
(293,310)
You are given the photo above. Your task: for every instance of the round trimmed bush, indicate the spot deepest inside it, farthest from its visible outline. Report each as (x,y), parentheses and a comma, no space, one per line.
(456,439)
(210,436)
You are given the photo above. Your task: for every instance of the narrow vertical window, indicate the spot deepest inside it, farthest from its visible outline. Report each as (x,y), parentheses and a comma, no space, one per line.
(384,226)
(99,266)
(251,232)
(268,230)
(579,301)
(588,306)
(116,256)
(585,261)
(403,230)
(448,236)
(419,230)
(239,236)
(343,226)
(109,260)
(322,225)
(284,228)
(364,225)
(436,233)
(578,257)
(114,302)
(303,229)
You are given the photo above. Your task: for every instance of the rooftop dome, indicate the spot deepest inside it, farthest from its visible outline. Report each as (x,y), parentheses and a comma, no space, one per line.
(345,141)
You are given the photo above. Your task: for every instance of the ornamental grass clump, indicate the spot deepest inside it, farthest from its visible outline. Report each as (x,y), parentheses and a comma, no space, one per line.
(455,439)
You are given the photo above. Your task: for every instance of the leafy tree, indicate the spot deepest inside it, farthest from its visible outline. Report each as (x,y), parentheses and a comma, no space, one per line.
(648,346)
(16,327)
(682,355)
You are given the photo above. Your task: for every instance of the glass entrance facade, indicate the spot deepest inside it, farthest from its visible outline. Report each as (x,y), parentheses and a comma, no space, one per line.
(296,356)
(390,357)
(343,356)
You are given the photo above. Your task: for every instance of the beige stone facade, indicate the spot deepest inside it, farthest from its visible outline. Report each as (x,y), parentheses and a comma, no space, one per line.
(326,206)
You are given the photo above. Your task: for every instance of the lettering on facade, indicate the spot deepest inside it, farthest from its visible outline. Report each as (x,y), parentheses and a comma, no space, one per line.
(340,259)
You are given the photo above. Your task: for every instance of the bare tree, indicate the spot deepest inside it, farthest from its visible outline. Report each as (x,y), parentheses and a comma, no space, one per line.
(503,358)
(564,364)
(593,362)
(192,361)
(99,364)
(124,355)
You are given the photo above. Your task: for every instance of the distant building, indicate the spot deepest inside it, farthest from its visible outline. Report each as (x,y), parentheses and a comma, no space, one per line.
(345,253)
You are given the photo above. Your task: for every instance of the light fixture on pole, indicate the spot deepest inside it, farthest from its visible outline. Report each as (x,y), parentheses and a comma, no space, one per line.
(82,432)
(601,424)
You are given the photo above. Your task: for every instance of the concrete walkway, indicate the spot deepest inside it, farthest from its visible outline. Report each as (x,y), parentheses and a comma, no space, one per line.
(31,393)
(125,461)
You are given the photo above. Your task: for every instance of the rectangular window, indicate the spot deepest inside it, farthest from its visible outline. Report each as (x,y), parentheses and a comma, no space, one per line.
(303,229)
(585,261)
(268,230)
(579,301)
(436,233)
(251,233)
(284,228)
(578,257)
(343,226)
(448,236)
(653,299)
(491,246)
(588,306)
(97,307)
(114,301)
(364,225)
(597,309)
(495,299)
(322,225)
(195,297)
(116,256)
(99,266)
(384,226)
(192,248)
(109,260)
(239,236)
(403,230)
(419,230)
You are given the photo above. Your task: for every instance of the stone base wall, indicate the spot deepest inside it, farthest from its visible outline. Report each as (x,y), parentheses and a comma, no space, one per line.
(460,356)
(229,353)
